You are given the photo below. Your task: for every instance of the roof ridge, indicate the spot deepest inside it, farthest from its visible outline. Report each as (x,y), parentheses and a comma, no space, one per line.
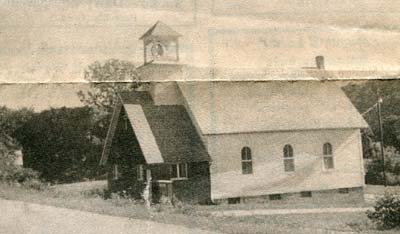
(163,30)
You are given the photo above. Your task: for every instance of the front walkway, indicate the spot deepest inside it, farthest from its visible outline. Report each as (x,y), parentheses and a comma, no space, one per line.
(26,218)
(288,211)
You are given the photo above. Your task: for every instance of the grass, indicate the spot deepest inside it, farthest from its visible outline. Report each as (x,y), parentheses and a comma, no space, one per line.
(381,190)
(302,203)
(87,197)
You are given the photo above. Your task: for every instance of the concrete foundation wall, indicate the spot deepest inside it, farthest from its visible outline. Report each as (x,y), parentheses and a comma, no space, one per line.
(332,196)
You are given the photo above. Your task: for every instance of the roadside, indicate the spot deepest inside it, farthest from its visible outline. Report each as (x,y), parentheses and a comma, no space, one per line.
(21,218)
(79,197)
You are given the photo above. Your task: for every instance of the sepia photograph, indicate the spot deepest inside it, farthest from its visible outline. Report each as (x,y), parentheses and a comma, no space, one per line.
(200,117)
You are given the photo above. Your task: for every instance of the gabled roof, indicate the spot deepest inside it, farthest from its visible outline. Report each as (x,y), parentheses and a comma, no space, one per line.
(143,133)
(165,133)
(159,29)
(240,107)
(175,134)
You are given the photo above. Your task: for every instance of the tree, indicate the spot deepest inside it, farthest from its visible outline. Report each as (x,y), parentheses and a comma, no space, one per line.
(364,95)
(107,79)
(60,145)
(10,119)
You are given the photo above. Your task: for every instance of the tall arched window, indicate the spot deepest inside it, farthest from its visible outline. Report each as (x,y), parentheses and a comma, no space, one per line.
(247,163)
(328,156)
(288,158)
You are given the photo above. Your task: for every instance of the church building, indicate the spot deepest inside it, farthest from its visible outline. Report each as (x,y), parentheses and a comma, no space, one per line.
(207,140)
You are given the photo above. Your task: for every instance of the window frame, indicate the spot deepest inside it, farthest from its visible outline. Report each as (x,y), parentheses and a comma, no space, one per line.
(288,156)
(116,173)
(246,159)
(140,172)
(126,122)
(327,153)
(178,172)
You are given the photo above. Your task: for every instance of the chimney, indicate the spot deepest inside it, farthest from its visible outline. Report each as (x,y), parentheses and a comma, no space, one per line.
(319,60)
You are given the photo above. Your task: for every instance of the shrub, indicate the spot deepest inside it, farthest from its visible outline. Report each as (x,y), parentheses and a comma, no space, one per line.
(374,173)
(34,184)
(122,199)
(392,179)
(13,174)
(396,169)
(386,213)
(22,175)
(97,193)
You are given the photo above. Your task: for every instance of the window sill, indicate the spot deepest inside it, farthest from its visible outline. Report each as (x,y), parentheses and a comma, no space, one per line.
(182,178)
(163,181)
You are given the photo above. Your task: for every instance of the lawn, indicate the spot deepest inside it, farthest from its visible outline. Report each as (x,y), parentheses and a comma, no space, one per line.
(381,190)
(86,197)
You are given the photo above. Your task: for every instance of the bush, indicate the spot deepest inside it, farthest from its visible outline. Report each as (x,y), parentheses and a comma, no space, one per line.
(94,193)
(392,179)
(34,184)
(13,174)
(22,175)
(374,173)
(386,212)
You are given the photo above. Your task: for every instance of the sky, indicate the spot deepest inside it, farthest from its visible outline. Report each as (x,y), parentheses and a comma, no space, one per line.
(40,97)
(54,41)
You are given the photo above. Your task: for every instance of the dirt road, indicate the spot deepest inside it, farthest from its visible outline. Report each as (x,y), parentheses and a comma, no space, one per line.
(25,218)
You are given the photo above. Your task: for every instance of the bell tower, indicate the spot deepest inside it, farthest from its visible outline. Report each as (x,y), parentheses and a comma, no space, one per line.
(160,44)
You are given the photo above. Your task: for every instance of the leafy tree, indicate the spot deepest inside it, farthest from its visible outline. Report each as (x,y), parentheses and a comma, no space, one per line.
(10,119)
(60,145)
(364,95)
(107,79)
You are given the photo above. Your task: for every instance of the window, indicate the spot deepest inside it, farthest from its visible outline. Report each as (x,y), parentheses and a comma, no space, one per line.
(157,50)
(116,173)
(234,200)
(247,164)
(328,156)
(288,158)
(344,190)
(179,170)
(140,172)
(125,117)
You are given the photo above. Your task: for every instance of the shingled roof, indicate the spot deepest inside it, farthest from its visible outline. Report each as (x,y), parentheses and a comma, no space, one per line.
(143,133)
(165,129)
(175,134)
(240,107)
(181,72)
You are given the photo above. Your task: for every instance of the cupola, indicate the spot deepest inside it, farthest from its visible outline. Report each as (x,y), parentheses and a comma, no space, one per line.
(160,44)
